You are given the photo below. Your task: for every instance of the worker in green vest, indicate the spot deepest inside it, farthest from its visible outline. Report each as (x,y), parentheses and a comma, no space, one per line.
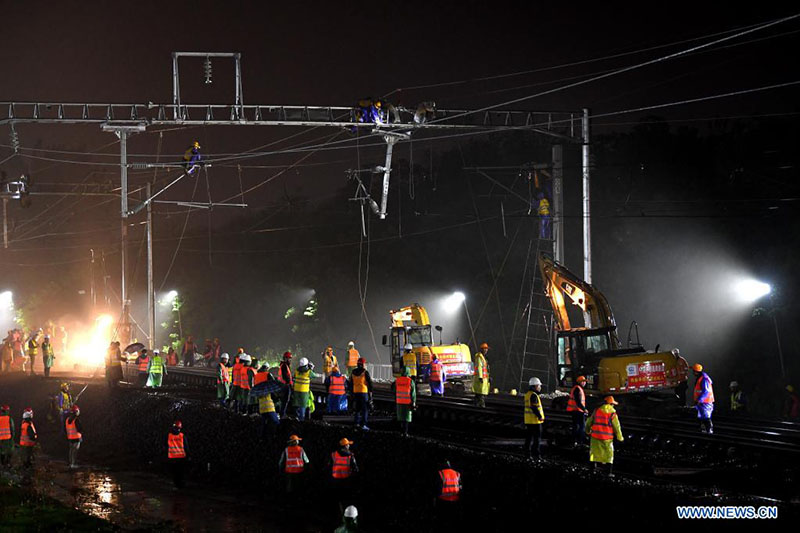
(156,370)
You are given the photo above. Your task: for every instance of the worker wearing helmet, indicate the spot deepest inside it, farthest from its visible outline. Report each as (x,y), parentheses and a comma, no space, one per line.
(285,377)
(603,427)
(410,359)
(142,364)
(361,389)
(738,400)
(192,158)
(72,427)
(223,380)
(156,370)
(328,361)
(48,356)
(576,407)
(293,463)
(437,376)
(352,357)
(336,385)
(480,380)
(349,521)
(405,398)
(176,452)
(534,418)
(32,349)
(302,386)
(448,496)
(543,211)
(343,467)
(7,434)
(703,398)
(64,401)
(27,437)
(245,383)
(113,364)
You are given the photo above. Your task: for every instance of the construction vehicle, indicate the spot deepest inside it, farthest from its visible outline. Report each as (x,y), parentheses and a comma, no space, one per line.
(411,325)
(595,351)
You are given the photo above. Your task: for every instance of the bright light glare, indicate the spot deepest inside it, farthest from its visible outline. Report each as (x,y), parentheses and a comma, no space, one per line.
(6,300)
(90,345)
(750,290)
(452,303)
(169,297)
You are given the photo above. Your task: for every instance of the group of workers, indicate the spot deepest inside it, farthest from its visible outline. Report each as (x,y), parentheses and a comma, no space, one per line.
(17,353)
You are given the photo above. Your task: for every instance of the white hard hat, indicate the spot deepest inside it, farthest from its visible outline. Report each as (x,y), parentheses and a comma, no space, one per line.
(408,346)
(351,512)
(534,381)
(734,383)
(244,357)
(225,356)
(303,361)
(351,343)
(27,413)
(156,351)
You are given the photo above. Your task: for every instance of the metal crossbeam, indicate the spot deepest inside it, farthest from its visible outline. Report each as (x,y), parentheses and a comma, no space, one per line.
(561,125)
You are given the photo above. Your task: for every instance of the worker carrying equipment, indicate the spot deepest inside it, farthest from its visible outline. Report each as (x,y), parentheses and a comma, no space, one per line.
(603,427)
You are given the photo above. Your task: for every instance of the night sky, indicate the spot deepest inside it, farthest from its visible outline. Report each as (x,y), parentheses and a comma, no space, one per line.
(332,53)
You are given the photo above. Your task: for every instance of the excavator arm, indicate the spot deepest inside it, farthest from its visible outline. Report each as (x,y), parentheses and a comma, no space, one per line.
(414,313)
(562,285)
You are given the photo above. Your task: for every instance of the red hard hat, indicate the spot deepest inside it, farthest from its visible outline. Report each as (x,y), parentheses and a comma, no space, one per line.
(178,424)
(287,355)
(361,361)
(75,408)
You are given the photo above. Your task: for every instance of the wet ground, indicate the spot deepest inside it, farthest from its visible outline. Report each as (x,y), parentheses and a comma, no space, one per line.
(235,484)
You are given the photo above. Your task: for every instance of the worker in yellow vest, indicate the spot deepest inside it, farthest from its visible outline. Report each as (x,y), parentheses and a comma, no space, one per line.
(480,379)
(603,427)
(534,418)
(32,349)
(544,217)
(156,370)
(302,386)
(410,359)
(328,361)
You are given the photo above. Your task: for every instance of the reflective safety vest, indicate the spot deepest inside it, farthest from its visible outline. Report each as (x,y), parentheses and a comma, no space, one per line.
(294,460)
(410,361)
(601,425)
(287,369)
(352,357)
(451,485)
(360,383)
(481,367)
(237,375)
(436,372)
(224,376)
(72,430)
(143,362)
(576,394)
(544,207)
(265,404)
(530,412)
(47,349)
(337,385)
(329,362)
(66,401)
(244,377)
(736,403)
(302,381)
(698,389)
(24,438)
(341,466)
(33,347)
(261,377)
(157,365)
(175,448)
(5,427)
(403,390)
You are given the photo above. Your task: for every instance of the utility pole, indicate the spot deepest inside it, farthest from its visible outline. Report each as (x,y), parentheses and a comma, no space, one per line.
(92,288)
(122,131)
(5,222)
(151,309)
(587,228)
(558,202)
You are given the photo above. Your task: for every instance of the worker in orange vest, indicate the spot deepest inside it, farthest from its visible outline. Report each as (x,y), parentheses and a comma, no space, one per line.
(6,436)
(245,382)
(703,398)
(405,398)
(223,380)
(448,494)
(27,437)
(603,426)
(285,377)
(437,377)
(343,466)
(336,385)
(293,463)
(576,407)
(142,364)
(176,452)
(72,426)
(352,357)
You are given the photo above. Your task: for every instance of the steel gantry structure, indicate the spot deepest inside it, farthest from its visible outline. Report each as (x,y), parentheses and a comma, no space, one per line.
(126,119)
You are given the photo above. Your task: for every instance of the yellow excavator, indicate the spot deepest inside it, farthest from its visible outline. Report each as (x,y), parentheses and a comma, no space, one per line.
(411,325)
(595,351)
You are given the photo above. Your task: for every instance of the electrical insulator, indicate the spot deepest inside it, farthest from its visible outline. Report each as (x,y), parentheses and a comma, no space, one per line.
(207,69)
(14,139)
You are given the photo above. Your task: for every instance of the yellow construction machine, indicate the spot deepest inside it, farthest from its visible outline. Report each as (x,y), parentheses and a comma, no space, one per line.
(595,351)
(411,325)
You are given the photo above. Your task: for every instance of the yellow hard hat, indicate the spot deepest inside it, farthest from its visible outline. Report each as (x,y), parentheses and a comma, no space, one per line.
(196,144)
(610,400)
(697,367)
(789,388)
